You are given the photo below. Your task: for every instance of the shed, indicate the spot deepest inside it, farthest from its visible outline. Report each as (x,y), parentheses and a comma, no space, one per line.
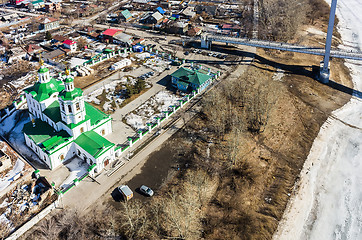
(138,48)
(126,15)
(160,10)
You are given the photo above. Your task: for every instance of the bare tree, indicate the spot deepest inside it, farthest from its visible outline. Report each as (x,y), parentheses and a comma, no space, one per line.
(134,219)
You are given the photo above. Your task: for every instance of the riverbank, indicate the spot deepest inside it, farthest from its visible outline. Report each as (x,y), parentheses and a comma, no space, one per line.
(326,203)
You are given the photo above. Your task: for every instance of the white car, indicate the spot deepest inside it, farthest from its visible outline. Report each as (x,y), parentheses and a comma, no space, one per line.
(146,190)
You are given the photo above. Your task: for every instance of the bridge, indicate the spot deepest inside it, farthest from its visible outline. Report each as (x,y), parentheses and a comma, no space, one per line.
(327,52)
(207,39)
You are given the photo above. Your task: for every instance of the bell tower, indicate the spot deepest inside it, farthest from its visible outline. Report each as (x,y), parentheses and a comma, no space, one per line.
(71,102)
(43,72)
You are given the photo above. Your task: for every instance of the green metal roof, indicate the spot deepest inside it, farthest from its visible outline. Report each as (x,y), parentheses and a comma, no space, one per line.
(126,14)
(42,91)
(181,72)
(69,96)
(94,114)
(69,80)
(44,135)
(53,112)
(93,143)
(189,76)
(43,70)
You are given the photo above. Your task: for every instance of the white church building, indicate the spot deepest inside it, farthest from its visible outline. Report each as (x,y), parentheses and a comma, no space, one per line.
(63,125)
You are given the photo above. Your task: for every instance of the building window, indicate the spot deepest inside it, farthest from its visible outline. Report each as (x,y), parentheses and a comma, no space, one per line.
(103,132)
(81,129)
(62,106)
(61,157)
(69,108)
(78,152)
(77,106)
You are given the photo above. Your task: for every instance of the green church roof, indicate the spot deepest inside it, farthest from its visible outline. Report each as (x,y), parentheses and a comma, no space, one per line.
(93,143)
(44,135)
(42,91)
(69,80)
(53,112)
(94,114)
(69,96)
(43,70)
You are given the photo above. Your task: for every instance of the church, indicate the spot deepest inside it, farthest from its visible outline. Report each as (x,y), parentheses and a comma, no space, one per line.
(64,126)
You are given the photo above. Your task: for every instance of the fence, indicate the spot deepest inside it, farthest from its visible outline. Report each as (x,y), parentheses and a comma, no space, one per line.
(77,180)
(17,104)
(162,117)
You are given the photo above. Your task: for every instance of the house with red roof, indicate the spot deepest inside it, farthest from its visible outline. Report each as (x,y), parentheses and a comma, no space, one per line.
(70,44)
(107,35)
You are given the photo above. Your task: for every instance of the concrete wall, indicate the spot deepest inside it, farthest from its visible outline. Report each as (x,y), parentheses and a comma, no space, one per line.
(15,235)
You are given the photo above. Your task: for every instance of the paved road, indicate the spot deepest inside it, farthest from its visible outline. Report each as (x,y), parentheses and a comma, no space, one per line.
(103,191)
(19,12)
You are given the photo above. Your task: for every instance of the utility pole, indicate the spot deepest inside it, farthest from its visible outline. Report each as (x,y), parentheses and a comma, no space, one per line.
(324,66)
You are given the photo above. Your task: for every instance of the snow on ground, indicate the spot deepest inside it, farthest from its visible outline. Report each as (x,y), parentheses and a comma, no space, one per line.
(110,90)
(12,174)
(157,64)
(328,203)
(21,82)
(77,168)
(13,125)
(278,75)
(152,108)
(74,61)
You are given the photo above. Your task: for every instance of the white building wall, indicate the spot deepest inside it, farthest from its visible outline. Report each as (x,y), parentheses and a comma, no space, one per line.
(68,150)
(106,125)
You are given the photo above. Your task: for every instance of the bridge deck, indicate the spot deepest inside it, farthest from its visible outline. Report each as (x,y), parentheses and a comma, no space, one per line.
(337,53)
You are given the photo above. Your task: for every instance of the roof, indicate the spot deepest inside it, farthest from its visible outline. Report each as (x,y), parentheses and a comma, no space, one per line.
(190,76)
(126,14)
(111,32)
(69,42)
(160,10)
(53,112)
(94,114)
(45,19)
(93,143)
(42,91)
(157,16)
(68,96)
(53,54)
(44,135)
(32,47)
(59,38)
(43,69)
(123,37)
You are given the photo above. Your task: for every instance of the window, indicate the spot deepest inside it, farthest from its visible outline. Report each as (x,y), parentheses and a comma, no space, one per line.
(81,129)
(103,132)
(61,157)
(69,108)
(78,152)
(77,106)
(61,106)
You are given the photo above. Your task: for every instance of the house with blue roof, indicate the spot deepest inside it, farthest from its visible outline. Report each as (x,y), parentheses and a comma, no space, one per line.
(63,126)
(160,10)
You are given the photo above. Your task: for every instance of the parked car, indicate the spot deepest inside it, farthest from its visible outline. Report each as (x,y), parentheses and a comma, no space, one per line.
(146,190)
(195,51)
(151,73)
(209,54)
(126,192)
(187,53)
